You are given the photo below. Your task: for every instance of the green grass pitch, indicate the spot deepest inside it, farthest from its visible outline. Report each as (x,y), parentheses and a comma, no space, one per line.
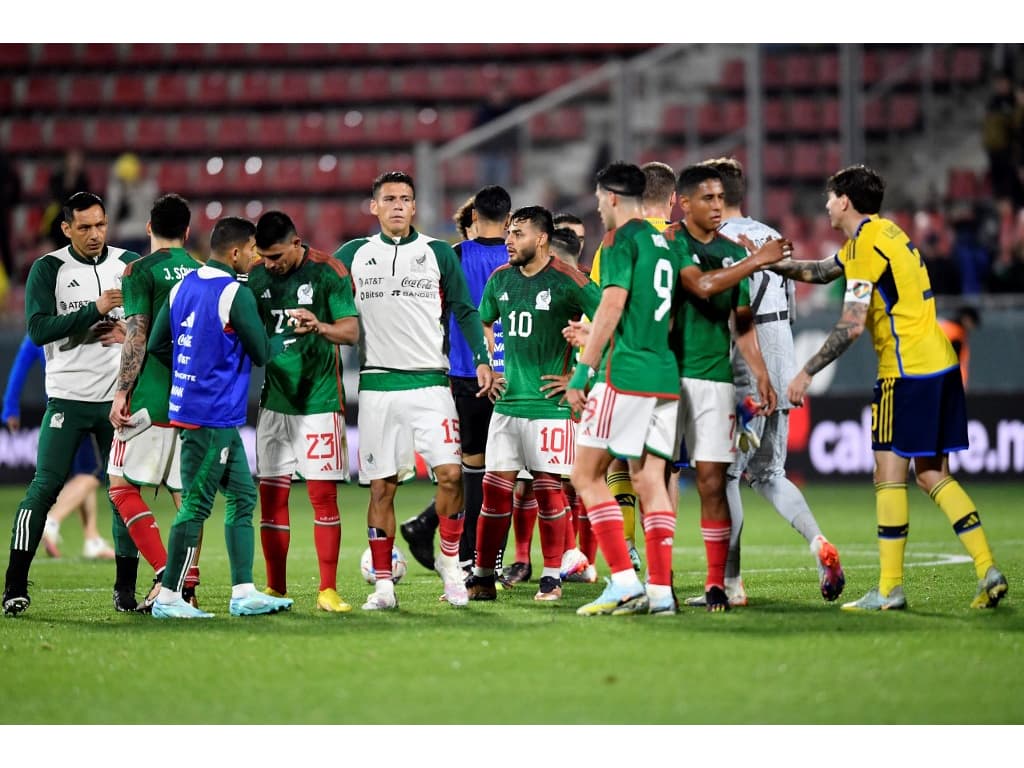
(787,658)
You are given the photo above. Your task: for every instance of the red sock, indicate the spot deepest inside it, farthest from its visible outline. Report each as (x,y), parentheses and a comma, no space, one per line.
(588,542)
(450,529)
(495,518)
(659,530)
(551,520)
(323,495)
(716,545)
(524,516)
(141,524)
(606,522)
(572,518)
(380,551)
(275,532)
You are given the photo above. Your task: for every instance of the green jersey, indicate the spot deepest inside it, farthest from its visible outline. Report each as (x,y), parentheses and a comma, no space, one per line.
(533,311)
(306,377)
(701,338)
(146,284)
(637,257)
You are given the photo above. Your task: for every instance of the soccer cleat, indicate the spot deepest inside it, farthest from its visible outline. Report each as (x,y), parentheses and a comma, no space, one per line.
(616,600)
(97,549)
(51,538)
(830,572)
(124,600)
(454,580)
(146,606)
(991,589)
(15,601)
(179,609)
(257,604)
(516,572)
(419,535)
(735,592)
(587,576)
(273,592)
(634,557)
(481,588)
(716,600)
(663,606)
(329,600)
(381,601)
(550,589)
(876,601)
(573,561)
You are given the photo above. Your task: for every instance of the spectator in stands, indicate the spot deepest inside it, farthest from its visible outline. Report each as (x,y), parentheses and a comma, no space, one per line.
(10,196)
(67,179)
(958,330)
(130,196)
(997,131)
(496,152)
(1008,272)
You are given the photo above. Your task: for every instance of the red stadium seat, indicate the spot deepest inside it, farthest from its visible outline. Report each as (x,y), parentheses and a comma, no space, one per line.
(778,203)
(775,160)
(807,161)
(56,55)
(296,86)
(387,127)
(254,88)
(733,75)
(415,83)
(128,91)
(189,53)
(734,115)
(461,171)
(961,184)
(373,84)
(674,119)
(106,55)
(213,89)
(171,90)
(828,71)
(328,224)
(175,176)
(232,132)
(108,134)
(41,92)
(272,131)
(289,174)
(871,68)
(143,54)
(25,136)
(967,66)
(189,133)
(335,86)
(775,118)
(709,120)
(875,118)
(359,173)
(68,133)
(6,94)
(151,133)
(86,92)
(421,129)
(800,70)
(831,158)
(15,55)
(324,177)
(830,115)
(804,116)
(904,111)
(773,74)
(458,122)
(311,129)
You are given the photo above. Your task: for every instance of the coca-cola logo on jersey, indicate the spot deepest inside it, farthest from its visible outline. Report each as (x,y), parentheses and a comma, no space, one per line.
(422,284)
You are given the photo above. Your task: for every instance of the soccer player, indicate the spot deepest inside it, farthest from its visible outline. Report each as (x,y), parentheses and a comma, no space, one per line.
(301,426)
(478,257)
(72,307)
(535,295)
(919,410)
(152,457)
(406,283)
(572,222)
(566,246)
(216,338)
(713,275)
(631,409)
(765,464)
(463,218)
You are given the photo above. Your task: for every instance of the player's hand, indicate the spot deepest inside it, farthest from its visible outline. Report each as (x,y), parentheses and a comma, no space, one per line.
(556,386)
(108,300)
(13,423)
(798,387)
(576,398)
(770,252)
(769,400)
(576,333)
(303,321)
(120,413)
(114,333)
(497,388)
(485,379)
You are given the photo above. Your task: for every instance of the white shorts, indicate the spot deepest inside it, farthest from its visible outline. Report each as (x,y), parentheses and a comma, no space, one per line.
(312,446)
(707,419)
(152,457)
(627,425)
(395,426)
(540,445)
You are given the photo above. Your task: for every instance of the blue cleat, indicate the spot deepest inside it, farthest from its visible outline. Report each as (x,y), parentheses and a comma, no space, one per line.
(179,609)
(258,603)
(617,601)
(874,600)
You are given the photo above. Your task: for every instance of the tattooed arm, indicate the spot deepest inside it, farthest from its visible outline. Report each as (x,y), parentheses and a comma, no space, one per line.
(133,353)
(824,271)
(845,332)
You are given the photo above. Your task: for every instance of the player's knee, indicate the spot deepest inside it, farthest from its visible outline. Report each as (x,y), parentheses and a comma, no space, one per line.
(449,476)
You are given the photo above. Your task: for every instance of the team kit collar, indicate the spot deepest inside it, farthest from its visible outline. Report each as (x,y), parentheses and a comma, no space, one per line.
(84,260)
(413,234)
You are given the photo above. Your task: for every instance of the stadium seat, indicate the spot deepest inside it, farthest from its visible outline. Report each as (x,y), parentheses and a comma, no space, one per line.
(254,88)
(6,94)
(871,68)
(901,64)
(775,160)
(425,130)
(733,115)
(778,204)
(807,161)
(86,92)
(25,136)
(189,133)
(324,180)
(359,172)
(328,225)
(804,116)
(150,134)
(831,158)
(415,83)
(733,75)
(102,55)
(312,129)
(68,133)
(296,87)
(107,134)
(967,66)
(15,55)
(800,70)
(206,184)
(458,121)
(171,90)
(335,86)
(674,119)
(41,92)
(373,84)
(128,91)
(709,120)
(828,71)
(289,174)
(875,119)
(189,53)
(56,55)
(829,115)
(145,54)
(387,127)
(232,132)
(175,176)
(904,111)
(773,75)
(272,131)
(775,118)
(461,171)
(213,88)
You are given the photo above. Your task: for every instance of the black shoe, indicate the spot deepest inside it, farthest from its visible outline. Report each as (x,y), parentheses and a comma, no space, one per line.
(15,601)
(124,600)
(716,600)
(481,588)
(516,573)
(419,536)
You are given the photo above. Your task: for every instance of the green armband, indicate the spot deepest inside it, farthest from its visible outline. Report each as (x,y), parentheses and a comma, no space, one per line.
(581,376)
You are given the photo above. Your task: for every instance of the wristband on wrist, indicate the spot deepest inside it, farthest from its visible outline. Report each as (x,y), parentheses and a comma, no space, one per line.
(580,376)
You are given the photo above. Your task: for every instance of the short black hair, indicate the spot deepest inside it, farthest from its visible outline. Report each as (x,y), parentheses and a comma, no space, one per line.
(170,216)
(463,218)
(393,177)
(492,203)
(229,232)
(692,176)
(538,216)
(560,219)
(623,179)
(80,201)
(661,182)
(967,312)
(864,186)
(274,227)
(567,241)
(734,183)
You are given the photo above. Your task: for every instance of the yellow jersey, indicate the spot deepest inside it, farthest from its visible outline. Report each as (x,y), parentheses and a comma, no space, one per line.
(901,314)
(657,222)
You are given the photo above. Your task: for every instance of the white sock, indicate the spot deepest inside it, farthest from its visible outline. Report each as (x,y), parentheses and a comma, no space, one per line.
(386,586)
(658,590)
(242,590)
(554,573)
(625,578)
(478,571)
(167,596)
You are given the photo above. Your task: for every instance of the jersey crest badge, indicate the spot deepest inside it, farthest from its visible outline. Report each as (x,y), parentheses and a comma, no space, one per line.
(543,300)
(305,293)
(57,421)
(659,241)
